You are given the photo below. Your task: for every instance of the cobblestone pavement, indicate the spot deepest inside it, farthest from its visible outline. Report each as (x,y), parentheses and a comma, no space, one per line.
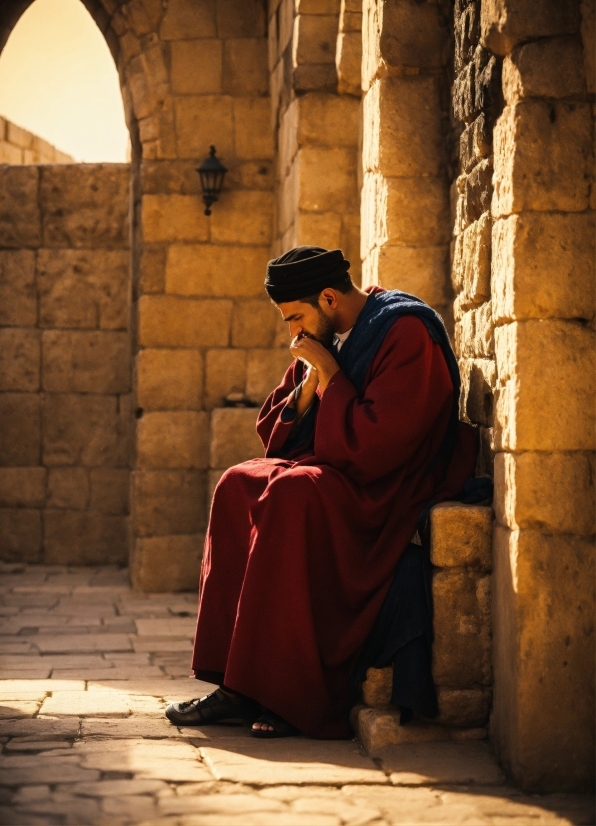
(86,668)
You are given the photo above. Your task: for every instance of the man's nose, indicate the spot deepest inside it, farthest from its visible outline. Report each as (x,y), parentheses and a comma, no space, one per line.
(295,329)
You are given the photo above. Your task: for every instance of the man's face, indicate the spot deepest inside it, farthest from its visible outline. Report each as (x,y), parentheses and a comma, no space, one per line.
(305,320)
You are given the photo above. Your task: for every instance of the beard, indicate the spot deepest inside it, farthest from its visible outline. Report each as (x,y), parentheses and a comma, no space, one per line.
(325,330)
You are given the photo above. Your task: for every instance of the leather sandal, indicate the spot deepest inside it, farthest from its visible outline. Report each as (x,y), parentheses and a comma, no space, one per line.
(216,707)
(281,728)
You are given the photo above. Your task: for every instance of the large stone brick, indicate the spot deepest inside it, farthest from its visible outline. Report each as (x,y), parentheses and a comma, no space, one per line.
(323,120)
(479,381)
(169,379)
(477,88)
(547,375)
(253,137)
(152,268)
(550,68)
(196,66)
(264,371)
(174,218)
(22,487)
(84,538)
(320,192)
(378,728)
(543,711)
(416,212)
(475,142)
(245,67)
(84,430)
(225,374)
(18,300)
(202,121)
(548,492)
(209,270)
(543,266)
(233,436)
(472,261)
(173,439)
(85,205)
(19,359)
(348,63)
(109,490)
(314,39)
(86,362)
(240,20)
(83,288)
(168,502)
(323,229)
(474,333)
(463,706)
(68,487)
(543,157)
(20,434)
(254,324)
(422,271)
(461,535)
(188,19)
(505,23)
(462,625)
(167,563)
(20,222)
(169,321)
(20,535)
(243,217)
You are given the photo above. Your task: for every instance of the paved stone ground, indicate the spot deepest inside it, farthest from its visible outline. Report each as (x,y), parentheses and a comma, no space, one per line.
(86,668)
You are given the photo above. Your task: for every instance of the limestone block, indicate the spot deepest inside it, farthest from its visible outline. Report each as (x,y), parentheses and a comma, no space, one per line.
(418,270)
(463,706)
(543,266)
(19,359)
(20,434)
(167,563)
(478,87)
(417,211)
(462,625)
(467,32)
(84,538)
(68,487)
(20,222)
(548,492)
(166,502)
(548,373)
(474,334)
(264,371)
(20,535)
(188,19)
(202,121)
(472,261)
(233,436)
(169,379)
(177,177)
(505,23)
(83,430)
(213,270)
(18,300)
(10,154)
(243,217)
(85,205)
(588,32)
(479,380)
(314,39)
(378,728)
(22,487)
(196,66)
(244,20)
(253,174)
(225,373)
(245,67)
(403,136)
(475,143)
(287,201)
(254,324)
(543,157)
(478,191)
(169,321)
(287,136)
(348,63)
(550,68)
(253,137)
(316,6)
(542,721)
(461,535)
(376,689)
(86,362)
(109,490)
(324,120)
(83,288)
(173,439)
(174,218)
(411,35)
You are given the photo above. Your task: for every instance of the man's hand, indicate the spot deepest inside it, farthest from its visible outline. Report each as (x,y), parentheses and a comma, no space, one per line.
(317,357)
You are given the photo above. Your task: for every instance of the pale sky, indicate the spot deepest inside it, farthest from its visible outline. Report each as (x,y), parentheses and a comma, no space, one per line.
(59,81)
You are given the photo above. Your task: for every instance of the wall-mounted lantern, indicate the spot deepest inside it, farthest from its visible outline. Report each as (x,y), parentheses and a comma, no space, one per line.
(212,173)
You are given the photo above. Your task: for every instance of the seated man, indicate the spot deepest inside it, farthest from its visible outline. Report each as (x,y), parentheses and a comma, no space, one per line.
(361,434)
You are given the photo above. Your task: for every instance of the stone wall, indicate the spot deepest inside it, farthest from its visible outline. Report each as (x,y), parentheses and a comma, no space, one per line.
(65,367)
(18,146)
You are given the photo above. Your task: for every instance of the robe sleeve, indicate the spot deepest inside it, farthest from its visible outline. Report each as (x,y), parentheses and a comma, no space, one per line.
(278,413)
(407,398)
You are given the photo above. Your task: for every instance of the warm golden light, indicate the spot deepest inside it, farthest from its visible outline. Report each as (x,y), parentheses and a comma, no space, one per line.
(59,81)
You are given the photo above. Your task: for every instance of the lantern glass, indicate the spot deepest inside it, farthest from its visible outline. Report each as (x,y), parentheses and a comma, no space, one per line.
(212,173)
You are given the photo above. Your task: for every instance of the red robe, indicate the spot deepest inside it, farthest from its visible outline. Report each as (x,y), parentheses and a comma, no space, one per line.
(300,553)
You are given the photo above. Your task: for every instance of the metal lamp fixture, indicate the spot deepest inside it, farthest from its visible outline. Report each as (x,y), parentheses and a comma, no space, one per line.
(212,173)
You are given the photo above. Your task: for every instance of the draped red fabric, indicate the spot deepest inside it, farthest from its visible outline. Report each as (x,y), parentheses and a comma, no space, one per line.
(300,553)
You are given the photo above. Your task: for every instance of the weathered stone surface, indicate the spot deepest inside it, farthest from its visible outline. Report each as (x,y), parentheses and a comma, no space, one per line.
(168,502)
(20,224)
(461,535)
(463,706)
(422,271)
(252,131)
(478,191)
(152,268)
(109,490)
(169,379)
(546,68)
(505,23)
(253,324)
(85,205)
(84,430)
(210,270)
(477,87)
(479,380)
(233,436)
(245,67)
(442,763)
(171,217)
(247,20)
(173,439)
(462,625)
(225,374)
(564,505)
(243,217)
(169,321)
(84,538)
(544,409)
(202,121)
(83,288)
(19,359)
(376,689)
(20,434)
(471,269)
(188,19)
(264,371)
(475,143)
(196,66)
(314,39)
(378,728)
(319,193)
(474,333)
(22,487)
(18,301)
(86,362)
(68,487)
(20,535)
(167,563)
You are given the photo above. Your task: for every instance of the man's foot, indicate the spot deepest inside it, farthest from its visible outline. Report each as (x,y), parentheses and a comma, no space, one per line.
(217,707)
(269,724)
